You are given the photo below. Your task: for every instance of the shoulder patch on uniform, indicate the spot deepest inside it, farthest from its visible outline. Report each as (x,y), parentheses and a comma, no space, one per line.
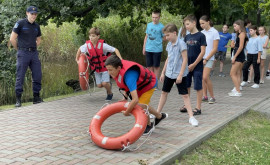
(16,25)
(119,78)
(99,45)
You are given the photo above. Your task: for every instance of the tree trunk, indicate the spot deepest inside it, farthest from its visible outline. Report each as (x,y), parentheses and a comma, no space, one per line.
(202,7)
(258,17)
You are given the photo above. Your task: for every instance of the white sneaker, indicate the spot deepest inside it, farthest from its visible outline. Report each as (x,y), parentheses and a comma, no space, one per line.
(235,93)
(234,89)
(193,121)
(244,83)
(255,86)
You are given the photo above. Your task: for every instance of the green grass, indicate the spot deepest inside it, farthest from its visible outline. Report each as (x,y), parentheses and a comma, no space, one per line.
(244,141)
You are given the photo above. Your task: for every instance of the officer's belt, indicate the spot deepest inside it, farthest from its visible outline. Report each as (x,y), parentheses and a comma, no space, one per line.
(28,49)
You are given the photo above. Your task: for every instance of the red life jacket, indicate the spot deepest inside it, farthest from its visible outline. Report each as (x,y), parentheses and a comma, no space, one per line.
(96,57)
(145,82)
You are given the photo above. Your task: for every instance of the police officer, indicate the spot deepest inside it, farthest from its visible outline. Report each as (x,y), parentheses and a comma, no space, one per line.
(25,38)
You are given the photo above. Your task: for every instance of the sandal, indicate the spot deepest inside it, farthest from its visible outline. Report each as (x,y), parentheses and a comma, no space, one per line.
(183,109)
(197,111)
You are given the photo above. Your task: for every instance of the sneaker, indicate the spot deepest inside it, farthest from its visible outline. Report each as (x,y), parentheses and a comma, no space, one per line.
(261,82)
(244,83)
(205,98)
(249,81)
(212,100)
(267,73)
(255,86)
(234,89)
(193,121)
(235,94)
(212,73)
(221,74)
(109,97)
(149,129)
(163,116)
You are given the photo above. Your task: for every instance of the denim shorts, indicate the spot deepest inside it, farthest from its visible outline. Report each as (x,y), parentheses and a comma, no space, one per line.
(153,59)
(197,77)
(102,77)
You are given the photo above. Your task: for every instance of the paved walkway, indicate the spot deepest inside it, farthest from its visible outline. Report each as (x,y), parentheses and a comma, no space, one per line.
(56,132)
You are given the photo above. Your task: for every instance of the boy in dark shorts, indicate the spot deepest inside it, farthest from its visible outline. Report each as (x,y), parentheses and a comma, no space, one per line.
(222,48)
(196,44)
(175,71)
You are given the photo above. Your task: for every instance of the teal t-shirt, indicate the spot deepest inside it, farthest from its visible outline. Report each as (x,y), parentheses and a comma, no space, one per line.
(154,37)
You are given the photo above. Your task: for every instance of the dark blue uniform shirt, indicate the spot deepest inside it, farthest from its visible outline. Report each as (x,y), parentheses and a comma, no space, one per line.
(27,33)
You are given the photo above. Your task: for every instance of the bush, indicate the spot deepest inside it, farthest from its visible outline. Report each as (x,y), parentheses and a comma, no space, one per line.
(118,33)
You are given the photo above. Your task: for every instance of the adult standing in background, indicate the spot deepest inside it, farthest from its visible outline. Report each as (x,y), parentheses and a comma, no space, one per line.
(25,37)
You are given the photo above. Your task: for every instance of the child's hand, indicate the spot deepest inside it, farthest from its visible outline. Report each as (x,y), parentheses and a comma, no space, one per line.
(161,78)
(233,60)
(258,60)
(191,67)
(204,62)
(125,113)
(143,52)
(179,79)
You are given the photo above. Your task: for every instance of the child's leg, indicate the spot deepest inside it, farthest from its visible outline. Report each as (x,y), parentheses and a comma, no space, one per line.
(199,99)
(221,66)
(251,71)
(207,83)
(256,68)
(262,66)
(234,73)
(188,104)
(107,86)
(105,79)
(162,101)
(198,87)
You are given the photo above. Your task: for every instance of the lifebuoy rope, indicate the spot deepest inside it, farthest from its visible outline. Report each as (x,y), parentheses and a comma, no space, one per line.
(84,73)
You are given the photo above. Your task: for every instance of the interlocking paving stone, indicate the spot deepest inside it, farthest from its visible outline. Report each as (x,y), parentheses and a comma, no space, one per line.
(57,132)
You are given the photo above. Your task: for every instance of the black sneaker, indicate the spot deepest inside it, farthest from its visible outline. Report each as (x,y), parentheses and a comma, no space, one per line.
(18,102)
(37,100)
(109,97)
(149,129)
(267,73)
(163,116)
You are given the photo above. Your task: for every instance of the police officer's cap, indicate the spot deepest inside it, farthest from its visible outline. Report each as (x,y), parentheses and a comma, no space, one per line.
(32,9)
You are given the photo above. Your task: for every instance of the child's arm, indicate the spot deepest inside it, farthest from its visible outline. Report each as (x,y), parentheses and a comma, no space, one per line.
(144,43)
(265,46)
(199,58)
(78,55)
(118,53)
(183,67)
(163,71)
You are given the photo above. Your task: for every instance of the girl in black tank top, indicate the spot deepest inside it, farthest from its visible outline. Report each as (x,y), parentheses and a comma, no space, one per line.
(241,57)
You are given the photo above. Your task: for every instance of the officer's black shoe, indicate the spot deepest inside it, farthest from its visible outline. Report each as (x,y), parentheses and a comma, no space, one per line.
(37,99)
(18,102)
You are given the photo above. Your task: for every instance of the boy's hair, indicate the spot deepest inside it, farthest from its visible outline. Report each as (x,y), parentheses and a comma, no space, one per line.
(114,61)
(247,21)
(157,12)
(95,31)
(207,19)
(170,28)
(226,25)
(190,18)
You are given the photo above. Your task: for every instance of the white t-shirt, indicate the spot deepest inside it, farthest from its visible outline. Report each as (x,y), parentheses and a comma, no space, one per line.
(106,48)
(210,35)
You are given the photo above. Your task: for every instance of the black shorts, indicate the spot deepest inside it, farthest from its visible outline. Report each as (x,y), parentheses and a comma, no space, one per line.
(153,59)
(221,56)
(241,57)
(182,87)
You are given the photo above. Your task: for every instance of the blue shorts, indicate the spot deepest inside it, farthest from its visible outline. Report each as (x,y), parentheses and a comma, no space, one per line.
(153,59)
(197,77)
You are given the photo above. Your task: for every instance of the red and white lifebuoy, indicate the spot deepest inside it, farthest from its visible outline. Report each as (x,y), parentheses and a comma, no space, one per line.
(83,72)
(117,142)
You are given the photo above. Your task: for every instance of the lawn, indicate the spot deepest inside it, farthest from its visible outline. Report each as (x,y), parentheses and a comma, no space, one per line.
(243,141)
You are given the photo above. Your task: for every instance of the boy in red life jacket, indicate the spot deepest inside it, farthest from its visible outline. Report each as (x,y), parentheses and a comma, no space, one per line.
(97,52)
(137,81)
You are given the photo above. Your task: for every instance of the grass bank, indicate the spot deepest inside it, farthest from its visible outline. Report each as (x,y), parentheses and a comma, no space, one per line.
(244,141)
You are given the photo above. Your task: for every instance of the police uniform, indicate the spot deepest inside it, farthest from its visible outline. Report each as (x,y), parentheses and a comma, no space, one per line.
(27,55)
